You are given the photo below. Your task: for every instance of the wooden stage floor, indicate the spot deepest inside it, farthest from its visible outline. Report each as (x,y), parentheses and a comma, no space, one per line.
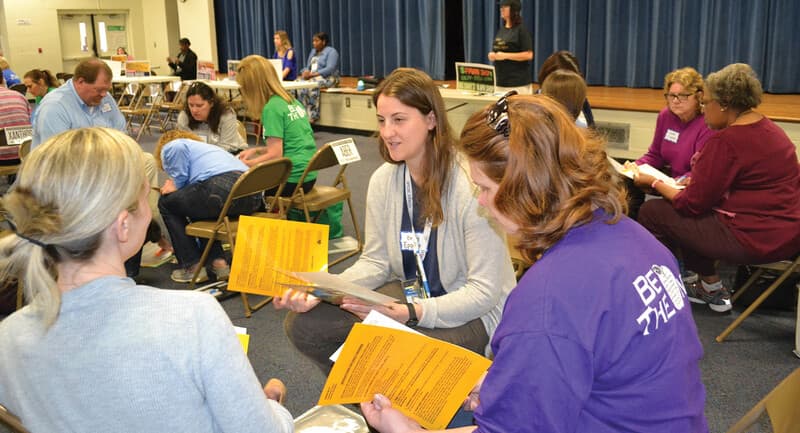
(783,107)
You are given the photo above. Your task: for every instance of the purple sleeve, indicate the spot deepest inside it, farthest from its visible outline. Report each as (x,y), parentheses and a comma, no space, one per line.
(653,155)
(538,381)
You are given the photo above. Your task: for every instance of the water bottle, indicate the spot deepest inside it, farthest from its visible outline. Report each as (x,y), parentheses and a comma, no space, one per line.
(360,85)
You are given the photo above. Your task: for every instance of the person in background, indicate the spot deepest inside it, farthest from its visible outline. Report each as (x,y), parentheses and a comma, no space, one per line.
(211,118)
(742,205)
(39,83)
(626,361)
(286,129)
(512,50)
(14,111)
(9,76)
(121,51)
(201,176)
(569,89)
(681,132)
(285,52)
(83,101)
(160,360)
(184,64)
(566,60)
(422,192)
(285,123)
(322,66)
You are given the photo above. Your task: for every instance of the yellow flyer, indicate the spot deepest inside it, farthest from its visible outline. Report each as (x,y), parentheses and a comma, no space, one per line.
(266,249)
(425,378)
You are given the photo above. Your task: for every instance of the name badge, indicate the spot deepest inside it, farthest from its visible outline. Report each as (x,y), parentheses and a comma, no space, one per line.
(106,108)
(672,136)
(407,241)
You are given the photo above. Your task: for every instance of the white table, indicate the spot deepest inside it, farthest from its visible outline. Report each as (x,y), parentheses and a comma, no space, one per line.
(152,79)
(233,85)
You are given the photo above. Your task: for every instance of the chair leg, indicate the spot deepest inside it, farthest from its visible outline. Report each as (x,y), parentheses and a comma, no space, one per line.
(202,263)
(360,246)
(721,337)
(20,295)
(249,309)
(753,277)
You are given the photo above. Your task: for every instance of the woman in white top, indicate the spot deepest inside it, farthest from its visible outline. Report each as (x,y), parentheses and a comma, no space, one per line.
(211,118)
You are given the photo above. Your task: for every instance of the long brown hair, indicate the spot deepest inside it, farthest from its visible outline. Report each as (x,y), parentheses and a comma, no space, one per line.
(416,89)
(551,174)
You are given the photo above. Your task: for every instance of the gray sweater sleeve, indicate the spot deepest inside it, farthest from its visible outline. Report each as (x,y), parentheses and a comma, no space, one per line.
(474,263)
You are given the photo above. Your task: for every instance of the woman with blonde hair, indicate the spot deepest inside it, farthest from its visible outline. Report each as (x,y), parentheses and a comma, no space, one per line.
(94,351)
(425,244)
(284,120)
(589,341)
(285,52)
(681,132)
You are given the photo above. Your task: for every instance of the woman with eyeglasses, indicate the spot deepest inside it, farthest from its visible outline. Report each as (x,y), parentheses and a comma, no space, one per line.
(211,118)
(423,234)
(680,133)
(589,341)
(743,204)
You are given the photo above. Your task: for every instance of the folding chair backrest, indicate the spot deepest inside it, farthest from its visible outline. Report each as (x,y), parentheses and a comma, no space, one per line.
(324,157)
(781,404)
(264,176)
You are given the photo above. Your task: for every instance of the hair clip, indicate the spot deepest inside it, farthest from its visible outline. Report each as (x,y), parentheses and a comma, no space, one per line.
(497,117)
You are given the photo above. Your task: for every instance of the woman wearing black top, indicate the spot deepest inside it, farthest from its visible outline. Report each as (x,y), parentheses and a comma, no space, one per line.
(512,50)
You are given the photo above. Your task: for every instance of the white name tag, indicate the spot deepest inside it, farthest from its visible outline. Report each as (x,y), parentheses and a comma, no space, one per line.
(407,242)
(106,108)
(346,151)
(672,136)
(18,134)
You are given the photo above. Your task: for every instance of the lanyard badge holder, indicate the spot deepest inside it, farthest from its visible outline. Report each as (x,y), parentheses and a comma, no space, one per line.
(415,288)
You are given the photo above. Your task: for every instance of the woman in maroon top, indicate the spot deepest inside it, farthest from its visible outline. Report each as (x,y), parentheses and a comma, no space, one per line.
(743,203)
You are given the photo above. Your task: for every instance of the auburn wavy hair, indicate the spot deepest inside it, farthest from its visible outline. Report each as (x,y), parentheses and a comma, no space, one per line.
(552,175)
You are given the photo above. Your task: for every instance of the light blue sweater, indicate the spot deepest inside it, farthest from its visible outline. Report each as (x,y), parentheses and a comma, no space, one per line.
(128,358)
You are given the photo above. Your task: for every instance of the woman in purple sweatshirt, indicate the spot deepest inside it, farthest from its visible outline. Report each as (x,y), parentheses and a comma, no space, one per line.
(680,133)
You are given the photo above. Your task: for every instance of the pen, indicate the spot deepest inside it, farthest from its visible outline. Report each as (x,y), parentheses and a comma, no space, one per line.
(423,277)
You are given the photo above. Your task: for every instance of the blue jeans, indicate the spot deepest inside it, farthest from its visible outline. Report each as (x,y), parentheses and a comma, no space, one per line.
(201,201)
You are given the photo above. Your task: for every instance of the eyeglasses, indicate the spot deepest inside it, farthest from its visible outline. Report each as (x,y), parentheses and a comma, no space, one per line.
(679,97)
(497,117)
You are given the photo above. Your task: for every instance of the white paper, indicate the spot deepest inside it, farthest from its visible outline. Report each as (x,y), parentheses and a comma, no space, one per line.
(377,319)
(646,169)
(328,286)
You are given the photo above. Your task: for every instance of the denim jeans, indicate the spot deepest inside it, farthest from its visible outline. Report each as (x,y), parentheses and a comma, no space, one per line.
(201,201)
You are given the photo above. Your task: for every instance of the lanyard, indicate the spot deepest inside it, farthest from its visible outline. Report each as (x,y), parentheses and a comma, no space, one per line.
(420,243)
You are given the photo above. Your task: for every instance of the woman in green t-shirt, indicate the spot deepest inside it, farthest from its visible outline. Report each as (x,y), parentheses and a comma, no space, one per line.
(284,121)
(39,83)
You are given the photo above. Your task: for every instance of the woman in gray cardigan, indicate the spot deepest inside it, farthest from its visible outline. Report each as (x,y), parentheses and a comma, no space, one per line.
(455,265)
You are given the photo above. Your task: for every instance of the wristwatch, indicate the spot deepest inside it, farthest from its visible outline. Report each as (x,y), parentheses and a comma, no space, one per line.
(412,316)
